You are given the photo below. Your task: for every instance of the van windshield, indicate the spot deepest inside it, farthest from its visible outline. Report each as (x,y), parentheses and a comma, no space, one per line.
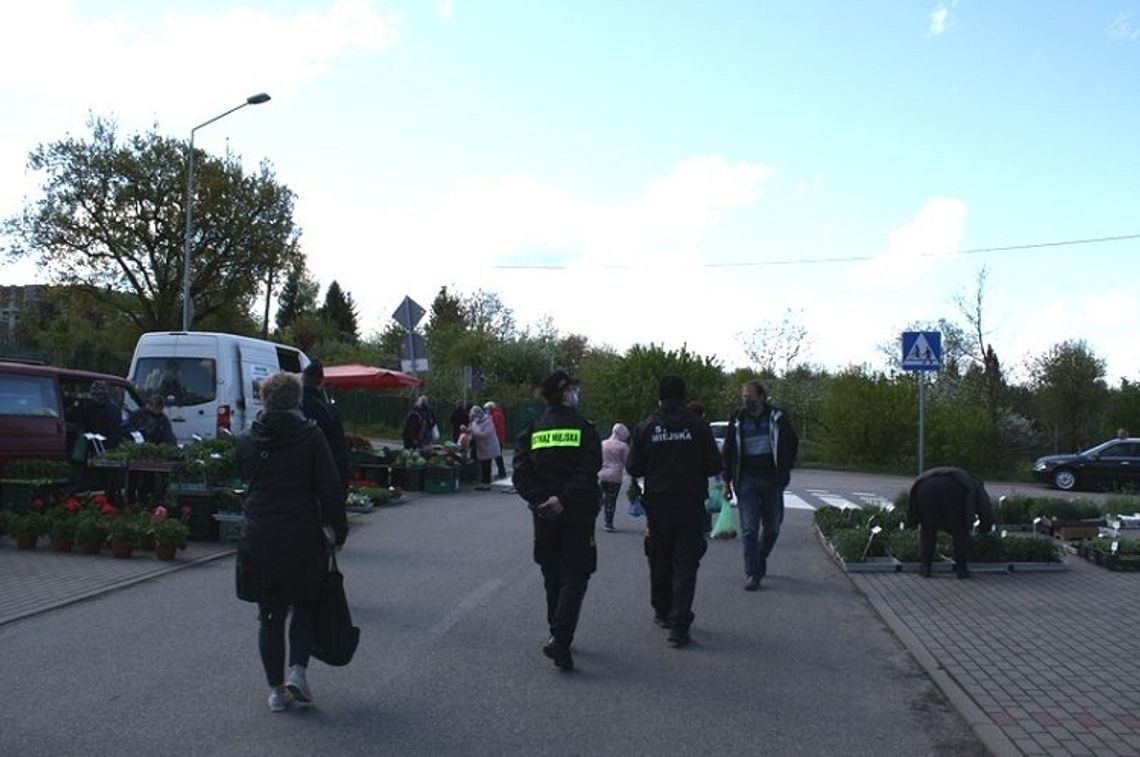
(179,380)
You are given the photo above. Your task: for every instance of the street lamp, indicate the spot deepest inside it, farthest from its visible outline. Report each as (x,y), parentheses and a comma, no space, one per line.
(187,305)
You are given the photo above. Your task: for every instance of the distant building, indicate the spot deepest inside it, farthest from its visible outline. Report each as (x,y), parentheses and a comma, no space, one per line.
(15,300)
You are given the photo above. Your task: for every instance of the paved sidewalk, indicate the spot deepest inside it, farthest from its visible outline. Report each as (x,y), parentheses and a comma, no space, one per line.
(32,581)
(1038,663)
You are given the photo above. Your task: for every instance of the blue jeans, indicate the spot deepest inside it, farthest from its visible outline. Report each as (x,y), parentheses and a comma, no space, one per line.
(760,500)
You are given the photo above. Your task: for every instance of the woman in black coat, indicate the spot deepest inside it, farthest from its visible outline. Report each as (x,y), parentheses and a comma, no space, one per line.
(294,513)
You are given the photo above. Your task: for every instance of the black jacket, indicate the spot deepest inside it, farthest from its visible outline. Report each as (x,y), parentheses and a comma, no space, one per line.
(975,499)
(785,445)
(560,455)
(292,488)
(327,418)
(674,451)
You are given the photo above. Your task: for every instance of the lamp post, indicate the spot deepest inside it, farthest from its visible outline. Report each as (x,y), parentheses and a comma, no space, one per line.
(187,305)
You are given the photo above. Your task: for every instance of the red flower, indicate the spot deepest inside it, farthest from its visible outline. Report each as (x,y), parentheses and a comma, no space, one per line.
(71,505)
(108,509)
(159,513)
(37,504)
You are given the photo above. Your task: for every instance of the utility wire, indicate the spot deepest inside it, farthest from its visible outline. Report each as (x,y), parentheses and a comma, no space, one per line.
(856,258)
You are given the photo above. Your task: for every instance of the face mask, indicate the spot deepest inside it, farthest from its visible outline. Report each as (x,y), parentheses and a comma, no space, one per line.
(575,397)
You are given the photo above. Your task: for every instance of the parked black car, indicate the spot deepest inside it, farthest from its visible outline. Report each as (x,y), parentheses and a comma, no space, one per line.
(1111,464)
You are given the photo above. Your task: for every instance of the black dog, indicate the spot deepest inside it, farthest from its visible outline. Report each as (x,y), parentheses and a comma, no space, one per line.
(951,499)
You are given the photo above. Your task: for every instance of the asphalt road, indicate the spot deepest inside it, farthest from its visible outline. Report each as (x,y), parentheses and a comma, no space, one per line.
(452,615)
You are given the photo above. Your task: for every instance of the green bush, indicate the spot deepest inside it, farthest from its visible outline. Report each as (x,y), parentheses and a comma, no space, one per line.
(987,548)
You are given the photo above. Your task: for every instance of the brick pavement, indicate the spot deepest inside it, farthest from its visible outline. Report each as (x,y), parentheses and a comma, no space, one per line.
(1038,663)
(32,581)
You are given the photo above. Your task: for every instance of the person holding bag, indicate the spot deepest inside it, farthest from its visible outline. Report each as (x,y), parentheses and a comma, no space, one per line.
(294,514)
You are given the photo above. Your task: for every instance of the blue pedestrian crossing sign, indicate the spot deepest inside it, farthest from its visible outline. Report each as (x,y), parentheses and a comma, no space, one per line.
(921,350)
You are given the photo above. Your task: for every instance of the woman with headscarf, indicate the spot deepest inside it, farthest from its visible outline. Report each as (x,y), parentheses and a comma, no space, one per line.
(615,450)
(486,442)
(294,513)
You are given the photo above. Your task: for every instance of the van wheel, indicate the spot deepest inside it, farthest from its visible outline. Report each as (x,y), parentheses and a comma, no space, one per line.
(1065,479)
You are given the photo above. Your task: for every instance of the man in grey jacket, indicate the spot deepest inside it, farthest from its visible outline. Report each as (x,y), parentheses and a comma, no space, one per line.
(759,452)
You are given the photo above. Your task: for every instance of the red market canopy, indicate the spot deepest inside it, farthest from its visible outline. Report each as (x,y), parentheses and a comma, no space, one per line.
(367,377)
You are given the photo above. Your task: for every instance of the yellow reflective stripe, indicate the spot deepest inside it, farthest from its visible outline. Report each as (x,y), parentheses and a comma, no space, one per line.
(556,437)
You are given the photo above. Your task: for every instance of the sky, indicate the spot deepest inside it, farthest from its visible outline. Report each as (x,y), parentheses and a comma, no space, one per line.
(640,171)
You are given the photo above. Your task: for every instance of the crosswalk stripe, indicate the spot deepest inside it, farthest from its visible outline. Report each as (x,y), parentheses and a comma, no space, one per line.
(840,502)
(795,503)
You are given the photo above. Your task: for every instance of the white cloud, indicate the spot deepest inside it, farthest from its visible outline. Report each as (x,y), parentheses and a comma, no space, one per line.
(446,9)
(933,235)
(1123,29)
(179,64)
(939,20)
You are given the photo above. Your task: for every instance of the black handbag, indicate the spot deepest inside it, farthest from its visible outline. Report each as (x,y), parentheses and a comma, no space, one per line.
(335,638)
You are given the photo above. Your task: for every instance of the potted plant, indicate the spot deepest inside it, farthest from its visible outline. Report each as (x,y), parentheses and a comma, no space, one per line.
(61,522)
(27,527)
(167,533)
(124,533)
(1035,554)
(905,547)
(25,480)
(92,530)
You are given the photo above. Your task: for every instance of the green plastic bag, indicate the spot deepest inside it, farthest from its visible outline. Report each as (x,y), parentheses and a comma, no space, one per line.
(715,501)
(725,526)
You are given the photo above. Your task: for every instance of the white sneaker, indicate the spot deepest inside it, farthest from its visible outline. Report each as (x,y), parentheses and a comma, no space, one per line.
(297,685)
(279,699)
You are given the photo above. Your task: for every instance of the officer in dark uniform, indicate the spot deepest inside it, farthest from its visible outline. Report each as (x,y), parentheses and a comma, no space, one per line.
(674,451)
(556,464)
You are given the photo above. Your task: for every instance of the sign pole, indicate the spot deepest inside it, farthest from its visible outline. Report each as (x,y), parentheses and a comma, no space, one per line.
(921,419)
(411,332)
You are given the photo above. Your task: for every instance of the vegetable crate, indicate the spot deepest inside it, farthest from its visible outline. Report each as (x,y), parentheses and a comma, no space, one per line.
(441,481)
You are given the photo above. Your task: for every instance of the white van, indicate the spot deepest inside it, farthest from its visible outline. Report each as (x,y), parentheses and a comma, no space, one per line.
(210,381)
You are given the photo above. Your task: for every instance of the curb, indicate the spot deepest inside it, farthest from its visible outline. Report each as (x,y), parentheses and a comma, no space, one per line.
(987,732)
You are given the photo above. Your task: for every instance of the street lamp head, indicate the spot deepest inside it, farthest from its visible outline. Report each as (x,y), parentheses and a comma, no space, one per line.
(257,99)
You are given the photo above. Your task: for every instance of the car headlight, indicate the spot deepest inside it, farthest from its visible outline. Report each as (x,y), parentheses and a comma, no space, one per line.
(1040,465)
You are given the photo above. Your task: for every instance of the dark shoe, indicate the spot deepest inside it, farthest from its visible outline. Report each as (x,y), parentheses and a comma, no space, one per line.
(752,584)
(560,653)
(663,622)
(609,528)
(679,637)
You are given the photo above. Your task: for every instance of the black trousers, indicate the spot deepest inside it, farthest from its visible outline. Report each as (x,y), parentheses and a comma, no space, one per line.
(674,544)
(941,504)
(271,638)
(567,554)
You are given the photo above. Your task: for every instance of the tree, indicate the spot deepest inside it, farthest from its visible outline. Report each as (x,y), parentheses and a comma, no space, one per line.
(340,311)
(625,389)
(774,347)
(1071,394)
(485,313)
(298,294)
(111,220)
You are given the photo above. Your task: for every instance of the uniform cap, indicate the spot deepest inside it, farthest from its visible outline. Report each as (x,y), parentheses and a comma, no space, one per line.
(554,384)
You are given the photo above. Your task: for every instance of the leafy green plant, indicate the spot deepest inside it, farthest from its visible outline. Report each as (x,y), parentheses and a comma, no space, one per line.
(92,527)
(1013,510)
(36,470)
(166,530)
(857,544)
(1027,549)
(904,545)
(125,528)
(987,548)
(1064,510)
(1122,504)
(26,524)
